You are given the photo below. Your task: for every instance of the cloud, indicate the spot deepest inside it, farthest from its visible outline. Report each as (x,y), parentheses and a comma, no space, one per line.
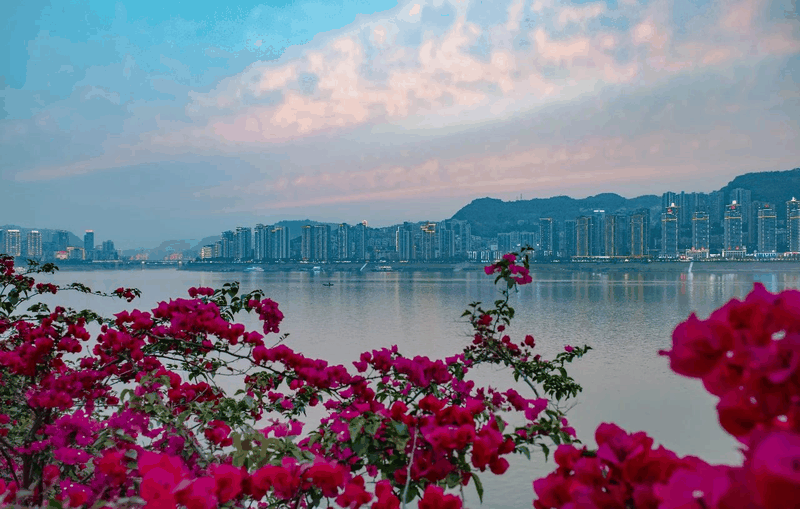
(366,78)
(580,15)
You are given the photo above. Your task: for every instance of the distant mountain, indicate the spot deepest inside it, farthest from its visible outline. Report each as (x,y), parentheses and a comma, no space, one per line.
(296,226)
(775,187)
(490,216)
(48,234)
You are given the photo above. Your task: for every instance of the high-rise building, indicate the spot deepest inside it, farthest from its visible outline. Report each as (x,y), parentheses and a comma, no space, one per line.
(616,236)
(108,252)
(13,243)
(530,239)
(361,241)
(700,231)
(261,238)
(228,243)
(732,243)
(640,233)
(504,244)
(279,243)
(584,235)
(547,236)
(428,241)
(405,242)
(34,244)
(569,247)
(88,244)
(321,242)
(716,207)
(343,242)
(207,252)
(445,242)
(598,232)
(307,243)
(243,244)
(793,225)
(743,198)
(62,240)
(669,233)
(767,229)
(667,199)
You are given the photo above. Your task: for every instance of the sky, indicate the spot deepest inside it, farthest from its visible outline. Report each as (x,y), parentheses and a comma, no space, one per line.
(155,120)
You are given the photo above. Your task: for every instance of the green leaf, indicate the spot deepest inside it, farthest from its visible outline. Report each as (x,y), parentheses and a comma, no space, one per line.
(478,486)
(355,427)
(546,451)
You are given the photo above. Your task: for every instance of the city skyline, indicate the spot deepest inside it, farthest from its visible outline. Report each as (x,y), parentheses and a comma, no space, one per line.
(691,225)
(133,112)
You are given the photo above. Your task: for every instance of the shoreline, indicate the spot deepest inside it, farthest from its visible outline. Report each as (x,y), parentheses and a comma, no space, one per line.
(571,266)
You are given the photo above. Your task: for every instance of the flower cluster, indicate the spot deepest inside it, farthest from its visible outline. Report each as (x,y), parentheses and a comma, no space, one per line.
(747,353)
(135,412)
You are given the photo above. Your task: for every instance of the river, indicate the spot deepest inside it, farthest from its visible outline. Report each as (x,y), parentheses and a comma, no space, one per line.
(625,316)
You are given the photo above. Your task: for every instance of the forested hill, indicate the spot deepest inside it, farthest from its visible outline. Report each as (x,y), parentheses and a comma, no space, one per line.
(490,216)
(768,186)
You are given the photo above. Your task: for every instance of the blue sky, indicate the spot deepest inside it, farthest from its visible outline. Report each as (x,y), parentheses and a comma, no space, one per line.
(155,120)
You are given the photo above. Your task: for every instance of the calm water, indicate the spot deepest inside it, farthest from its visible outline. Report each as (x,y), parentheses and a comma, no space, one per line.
(625,317)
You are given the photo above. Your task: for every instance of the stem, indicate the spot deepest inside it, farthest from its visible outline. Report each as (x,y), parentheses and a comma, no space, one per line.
(8,458)
(408,471)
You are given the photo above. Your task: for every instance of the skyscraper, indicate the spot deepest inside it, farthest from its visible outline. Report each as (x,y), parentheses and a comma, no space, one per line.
(243,242)
(343,242)
(321,242)
(445,242)
(547,236)
(307,243)
(767,229)
(669,233)
(584,235)
(743,198)
(88,244)
(504,243)
(405,242)
(570,238)
(109,252)
(227,246)
(361,241)
(13,243)
(640,233)
(427,246)
(732,238)
(667,199)
(279,243)
(34,244)
(598,231)
(62,240)
(261,238)
(716,207)
(615,236)
(793,224)
(700,231)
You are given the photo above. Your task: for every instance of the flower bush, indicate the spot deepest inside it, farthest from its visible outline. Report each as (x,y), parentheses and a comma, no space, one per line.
(132,415)
(747,353)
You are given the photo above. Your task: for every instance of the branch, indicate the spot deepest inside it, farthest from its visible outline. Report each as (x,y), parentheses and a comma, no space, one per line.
(8,458)
(408,471)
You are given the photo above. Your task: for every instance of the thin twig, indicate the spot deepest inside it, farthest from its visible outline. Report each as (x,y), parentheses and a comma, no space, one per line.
(408,471)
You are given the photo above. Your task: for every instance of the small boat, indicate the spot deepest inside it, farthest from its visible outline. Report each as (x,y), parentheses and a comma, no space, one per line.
(327,284)
(254,269)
